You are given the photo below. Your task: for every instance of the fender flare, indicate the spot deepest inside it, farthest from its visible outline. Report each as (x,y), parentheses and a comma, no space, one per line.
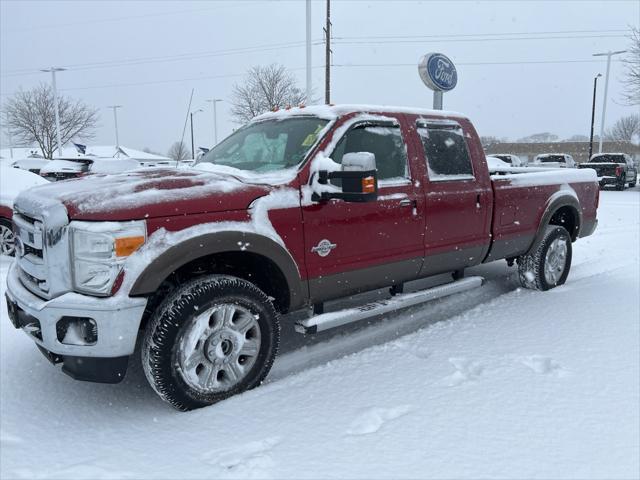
(207,244)
(557,201)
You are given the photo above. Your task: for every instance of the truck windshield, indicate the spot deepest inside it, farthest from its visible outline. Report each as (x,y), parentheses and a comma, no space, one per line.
(269,145)
(607,159)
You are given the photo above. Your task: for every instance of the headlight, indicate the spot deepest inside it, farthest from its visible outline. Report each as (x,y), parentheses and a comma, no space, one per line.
(98,251)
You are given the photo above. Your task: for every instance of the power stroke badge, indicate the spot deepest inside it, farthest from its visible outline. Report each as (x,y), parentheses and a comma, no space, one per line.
(324,247)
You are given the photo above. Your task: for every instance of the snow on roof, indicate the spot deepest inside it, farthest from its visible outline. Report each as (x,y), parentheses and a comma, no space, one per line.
(104,151)
(330,112)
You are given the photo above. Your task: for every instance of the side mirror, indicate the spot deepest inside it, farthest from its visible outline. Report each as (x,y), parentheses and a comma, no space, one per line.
(359,179)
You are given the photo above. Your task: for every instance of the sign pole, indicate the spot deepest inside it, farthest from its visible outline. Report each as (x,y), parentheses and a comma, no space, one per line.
(437,100)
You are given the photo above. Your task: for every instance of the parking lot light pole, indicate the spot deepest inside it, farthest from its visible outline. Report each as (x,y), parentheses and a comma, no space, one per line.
(193,147)
(606,90)
(593,114)
(53,71)
(213,102)
(115,120)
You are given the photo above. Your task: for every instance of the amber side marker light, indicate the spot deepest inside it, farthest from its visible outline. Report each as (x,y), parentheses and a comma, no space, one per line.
(127,245)
(368,185)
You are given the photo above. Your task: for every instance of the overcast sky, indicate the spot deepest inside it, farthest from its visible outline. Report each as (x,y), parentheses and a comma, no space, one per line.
(523,66)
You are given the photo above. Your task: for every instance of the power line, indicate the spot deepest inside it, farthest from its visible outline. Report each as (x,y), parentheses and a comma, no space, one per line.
(492,34)
(482,39)
(166,58)
(533,62)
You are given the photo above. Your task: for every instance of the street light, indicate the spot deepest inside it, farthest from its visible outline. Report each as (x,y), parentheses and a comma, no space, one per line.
(193,148)
(606,89)
(593,114)
(53,71)
(115,120)
(213,101)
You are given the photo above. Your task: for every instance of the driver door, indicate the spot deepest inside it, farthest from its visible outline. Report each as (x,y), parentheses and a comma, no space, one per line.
(353,247)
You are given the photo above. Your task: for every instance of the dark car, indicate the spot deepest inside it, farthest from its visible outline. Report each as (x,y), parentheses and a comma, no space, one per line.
(613,169)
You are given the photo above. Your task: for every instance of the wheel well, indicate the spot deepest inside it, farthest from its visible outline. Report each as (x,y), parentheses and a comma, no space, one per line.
(568,218)
(255,268)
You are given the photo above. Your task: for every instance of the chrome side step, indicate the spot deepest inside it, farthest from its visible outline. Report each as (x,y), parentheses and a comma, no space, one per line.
(325,321)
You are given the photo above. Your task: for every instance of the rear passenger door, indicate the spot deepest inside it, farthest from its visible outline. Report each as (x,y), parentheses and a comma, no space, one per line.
(458,199)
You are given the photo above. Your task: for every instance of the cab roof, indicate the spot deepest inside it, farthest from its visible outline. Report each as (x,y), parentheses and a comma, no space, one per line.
(331,112)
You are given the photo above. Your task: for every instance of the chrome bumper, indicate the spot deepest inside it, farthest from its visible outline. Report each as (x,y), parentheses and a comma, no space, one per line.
(117,319)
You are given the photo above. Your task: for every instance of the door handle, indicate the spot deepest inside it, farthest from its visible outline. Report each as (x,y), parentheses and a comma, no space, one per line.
(407,202)
(478,205)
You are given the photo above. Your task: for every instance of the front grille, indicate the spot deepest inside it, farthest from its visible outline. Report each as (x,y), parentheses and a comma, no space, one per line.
(31,257)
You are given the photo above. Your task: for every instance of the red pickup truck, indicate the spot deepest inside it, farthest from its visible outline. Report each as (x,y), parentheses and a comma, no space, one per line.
(294,209)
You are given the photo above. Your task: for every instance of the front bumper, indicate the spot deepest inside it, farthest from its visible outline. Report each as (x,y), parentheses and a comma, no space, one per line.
(117,320)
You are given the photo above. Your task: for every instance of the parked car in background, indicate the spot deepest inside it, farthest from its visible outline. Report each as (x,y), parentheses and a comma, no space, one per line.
(554,160)
(66,168)
(32,164)
(613,169)
(513,160)
(12,182)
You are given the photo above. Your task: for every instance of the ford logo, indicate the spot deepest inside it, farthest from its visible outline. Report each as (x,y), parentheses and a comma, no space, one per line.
(438,72)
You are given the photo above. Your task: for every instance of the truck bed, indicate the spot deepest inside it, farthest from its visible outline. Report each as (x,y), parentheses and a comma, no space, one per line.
(521,197)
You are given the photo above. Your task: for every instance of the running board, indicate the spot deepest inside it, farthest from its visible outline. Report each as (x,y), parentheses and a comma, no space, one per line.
(325,321)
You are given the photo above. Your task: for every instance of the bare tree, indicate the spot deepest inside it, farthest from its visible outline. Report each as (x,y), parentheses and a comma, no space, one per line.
(263,89)
(544,137)
(487,140)
(632,70)
(577,138)
(626,129)
(29,116)
(179,151)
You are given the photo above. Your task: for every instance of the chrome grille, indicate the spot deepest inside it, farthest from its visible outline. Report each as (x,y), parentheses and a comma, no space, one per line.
(30,253)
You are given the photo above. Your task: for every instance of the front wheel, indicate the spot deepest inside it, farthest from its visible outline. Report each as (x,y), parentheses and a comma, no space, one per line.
(7,239)
(548,265)
(213,338)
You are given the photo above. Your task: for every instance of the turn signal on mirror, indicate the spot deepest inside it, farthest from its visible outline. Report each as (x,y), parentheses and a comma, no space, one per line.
(368,185)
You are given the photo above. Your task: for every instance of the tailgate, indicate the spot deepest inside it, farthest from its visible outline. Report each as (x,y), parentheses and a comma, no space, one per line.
(602,169)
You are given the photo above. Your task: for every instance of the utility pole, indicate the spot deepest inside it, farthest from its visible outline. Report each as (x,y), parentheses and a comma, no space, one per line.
(213,102)
(327,54)
(593,114)
(53,71)
(608,54)
(309,87)
(193,146)
(115,121)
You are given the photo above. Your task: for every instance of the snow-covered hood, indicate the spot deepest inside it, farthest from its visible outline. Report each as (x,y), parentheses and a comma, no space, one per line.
(144,194)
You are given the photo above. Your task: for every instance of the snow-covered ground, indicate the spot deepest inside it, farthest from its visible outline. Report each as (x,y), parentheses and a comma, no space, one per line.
(496,382)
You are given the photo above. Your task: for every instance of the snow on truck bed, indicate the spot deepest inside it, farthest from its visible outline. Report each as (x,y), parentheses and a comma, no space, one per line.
(496,382)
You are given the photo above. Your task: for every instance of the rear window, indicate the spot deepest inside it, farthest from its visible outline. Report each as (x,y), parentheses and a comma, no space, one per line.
(552,159)
(446,152)
(608,159)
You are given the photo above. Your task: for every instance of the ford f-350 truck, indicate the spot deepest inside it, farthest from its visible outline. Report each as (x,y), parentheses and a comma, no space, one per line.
(298,207)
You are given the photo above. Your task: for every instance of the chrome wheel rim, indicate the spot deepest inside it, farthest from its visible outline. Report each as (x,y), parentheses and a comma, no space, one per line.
(7,241)
(218,348)
(555,261)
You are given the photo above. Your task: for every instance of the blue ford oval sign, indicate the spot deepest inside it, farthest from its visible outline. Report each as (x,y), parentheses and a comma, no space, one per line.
(438,72)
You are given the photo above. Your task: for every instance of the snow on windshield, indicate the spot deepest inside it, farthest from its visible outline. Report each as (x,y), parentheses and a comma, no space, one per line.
(267,146)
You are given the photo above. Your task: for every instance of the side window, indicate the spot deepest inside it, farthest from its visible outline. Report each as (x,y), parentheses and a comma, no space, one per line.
(385,142)
(446,152)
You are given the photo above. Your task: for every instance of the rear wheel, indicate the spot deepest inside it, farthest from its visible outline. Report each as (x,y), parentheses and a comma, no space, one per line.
(633,183)
(548,265)
(621,183)
(7,239)
(213,338)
